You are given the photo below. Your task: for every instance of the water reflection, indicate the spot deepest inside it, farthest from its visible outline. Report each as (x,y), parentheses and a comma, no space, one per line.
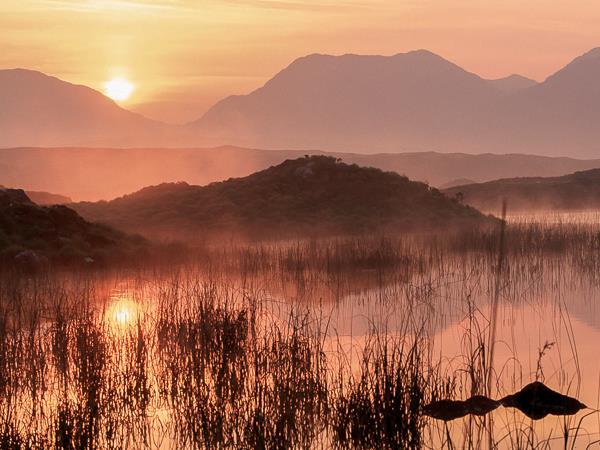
(175,349)
(123,311)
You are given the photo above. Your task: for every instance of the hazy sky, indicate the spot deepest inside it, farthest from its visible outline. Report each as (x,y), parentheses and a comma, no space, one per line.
(183,55)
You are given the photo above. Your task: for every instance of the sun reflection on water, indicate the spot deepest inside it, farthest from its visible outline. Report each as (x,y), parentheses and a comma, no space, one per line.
(123,311)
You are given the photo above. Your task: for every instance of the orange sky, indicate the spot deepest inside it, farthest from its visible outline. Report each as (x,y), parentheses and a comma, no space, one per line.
(183,55)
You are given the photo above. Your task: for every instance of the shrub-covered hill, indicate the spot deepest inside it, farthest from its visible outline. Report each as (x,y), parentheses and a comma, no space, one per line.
(45,198)
(310,195)
(32,234)
(577,191)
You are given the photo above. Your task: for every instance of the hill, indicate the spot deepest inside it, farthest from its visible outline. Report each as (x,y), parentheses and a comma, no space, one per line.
(45,198)
(577,191)
(305,196)
(88,169)
(36,109)
(31,234)
(415,101)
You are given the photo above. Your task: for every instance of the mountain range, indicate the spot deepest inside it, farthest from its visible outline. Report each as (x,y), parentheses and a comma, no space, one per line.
(105,173)
(415,101)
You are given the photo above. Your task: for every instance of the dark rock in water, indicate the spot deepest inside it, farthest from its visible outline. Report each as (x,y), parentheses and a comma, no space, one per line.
(477,405)
(536,401)
(446,409)
(480,405)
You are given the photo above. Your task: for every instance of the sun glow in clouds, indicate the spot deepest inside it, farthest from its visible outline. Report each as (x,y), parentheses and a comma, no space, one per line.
(119,89)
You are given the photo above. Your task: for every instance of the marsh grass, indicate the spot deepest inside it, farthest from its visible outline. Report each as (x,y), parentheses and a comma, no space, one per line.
(216,354)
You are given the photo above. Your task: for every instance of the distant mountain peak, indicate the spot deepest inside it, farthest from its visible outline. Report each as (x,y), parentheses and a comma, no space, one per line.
(321,99)
(421,53)
(516,76)
(512,83)
(413,56)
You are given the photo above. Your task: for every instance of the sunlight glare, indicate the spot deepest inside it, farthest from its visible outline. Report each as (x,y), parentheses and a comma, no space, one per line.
(119,89)
(123,312)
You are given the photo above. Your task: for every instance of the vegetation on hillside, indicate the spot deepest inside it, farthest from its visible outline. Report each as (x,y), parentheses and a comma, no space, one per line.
(45,198)
(577,191)
(34,235)
(315,194)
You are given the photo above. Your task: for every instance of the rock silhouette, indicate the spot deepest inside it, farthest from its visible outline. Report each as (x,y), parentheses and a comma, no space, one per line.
(446,410)
(536,401)
(480,405)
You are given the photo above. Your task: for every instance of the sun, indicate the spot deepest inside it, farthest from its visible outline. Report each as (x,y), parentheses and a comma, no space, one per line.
(119,89)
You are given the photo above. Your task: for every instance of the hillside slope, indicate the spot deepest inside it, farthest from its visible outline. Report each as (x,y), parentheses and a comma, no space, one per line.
(43,198)
(56,233)
(310,195)
(577,191)
(37,109)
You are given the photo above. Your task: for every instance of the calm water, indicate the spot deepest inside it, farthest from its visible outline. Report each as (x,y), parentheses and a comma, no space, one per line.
(555,307)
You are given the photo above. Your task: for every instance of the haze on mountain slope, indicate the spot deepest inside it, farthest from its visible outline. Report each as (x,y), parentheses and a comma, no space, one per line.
(576,191)
(105,173)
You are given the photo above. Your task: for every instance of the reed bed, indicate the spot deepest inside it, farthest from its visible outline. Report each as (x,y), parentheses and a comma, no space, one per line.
(244,347)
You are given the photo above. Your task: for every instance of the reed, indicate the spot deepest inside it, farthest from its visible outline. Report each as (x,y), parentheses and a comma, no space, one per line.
(216,352)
